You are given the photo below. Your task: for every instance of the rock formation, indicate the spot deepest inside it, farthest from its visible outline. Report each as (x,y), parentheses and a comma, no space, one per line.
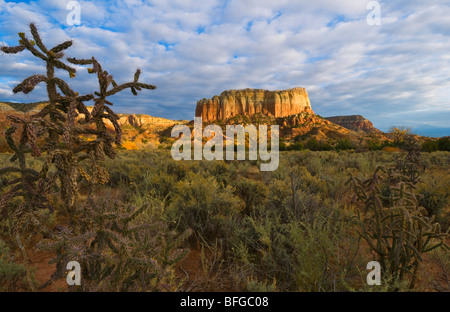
(252,101)
(140,120)
(138,130)
(354,122)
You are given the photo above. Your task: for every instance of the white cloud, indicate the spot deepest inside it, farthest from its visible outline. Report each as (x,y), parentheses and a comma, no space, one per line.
(194,49)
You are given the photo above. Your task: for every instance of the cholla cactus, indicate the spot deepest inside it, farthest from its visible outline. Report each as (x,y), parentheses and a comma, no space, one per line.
(392,223)
(116,251)
(56,134)
(57,130)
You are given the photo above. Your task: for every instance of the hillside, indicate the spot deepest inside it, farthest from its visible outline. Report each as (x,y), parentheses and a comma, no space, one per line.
(297,131)
(139,130)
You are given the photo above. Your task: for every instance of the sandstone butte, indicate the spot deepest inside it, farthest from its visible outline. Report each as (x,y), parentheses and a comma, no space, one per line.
(279,103)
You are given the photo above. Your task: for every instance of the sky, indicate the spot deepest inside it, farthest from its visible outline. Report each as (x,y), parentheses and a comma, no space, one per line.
(394,74)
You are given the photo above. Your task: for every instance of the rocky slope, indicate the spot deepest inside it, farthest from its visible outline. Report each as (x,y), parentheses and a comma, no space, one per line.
(354,122)
(290,109)
(249,102)
(302,127)
(139,130)
(134,120)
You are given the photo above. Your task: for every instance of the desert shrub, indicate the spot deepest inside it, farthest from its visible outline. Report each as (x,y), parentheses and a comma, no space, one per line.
(253,285)
(312,144)
(437,159)
(57,125)
(219,168)
(434,201)
(117,177)
(115,252)
(222,172)
(432,194)
(299,196)
(278,195)
(301,178)
(400,135)
(319,180)
(118,250)
(365,163)
(440,259)
(161,183)
(430,146)
(251,192)
(316,246)
(298,146)
(282,145)
(13,276)
(164,139)
(202,205)
(444,144)
(344,144)
(294,256)
(177,169)
(374,145)
(262,245)
(314,164)
(326,146)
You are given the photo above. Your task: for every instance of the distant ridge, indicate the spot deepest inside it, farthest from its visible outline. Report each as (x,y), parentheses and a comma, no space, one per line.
(138,130)
(354,122)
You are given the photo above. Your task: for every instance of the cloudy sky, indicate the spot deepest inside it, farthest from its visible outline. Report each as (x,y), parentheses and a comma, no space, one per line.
(396,73)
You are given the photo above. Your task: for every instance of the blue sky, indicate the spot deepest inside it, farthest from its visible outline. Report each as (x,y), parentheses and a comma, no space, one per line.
(397,73)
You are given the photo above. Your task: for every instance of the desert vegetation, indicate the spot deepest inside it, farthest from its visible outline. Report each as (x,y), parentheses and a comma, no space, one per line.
(224,225)
(140,221)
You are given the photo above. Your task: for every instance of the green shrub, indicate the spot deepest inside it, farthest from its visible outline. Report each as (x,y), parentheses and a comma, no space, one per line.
(282,145)
(12,275)
(433,195)
(344,144)
(253,285)
(444,144)
(295,256)
(119,249)
(430,146)
(374,145)
(202,205)
(251,192)
(312,144)
(296,146)
(326,147)
(160,183)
